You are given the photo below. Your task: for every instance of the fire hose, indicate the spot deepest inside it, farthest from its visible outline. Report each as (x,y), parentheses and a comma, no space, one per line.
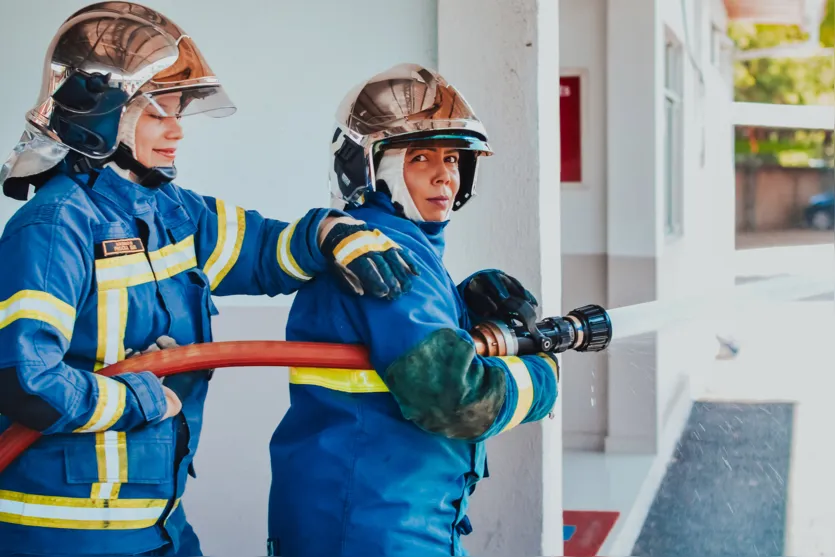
(587,329)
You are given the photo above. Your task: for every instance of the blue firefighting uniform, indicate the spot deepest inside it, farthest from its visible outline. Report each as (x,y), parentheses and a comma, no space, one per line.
(93,267)
(352,476)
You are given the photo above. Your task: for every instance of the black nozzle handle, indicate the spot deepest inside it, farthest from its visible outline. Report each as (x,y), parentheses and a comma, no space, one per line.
(592,327)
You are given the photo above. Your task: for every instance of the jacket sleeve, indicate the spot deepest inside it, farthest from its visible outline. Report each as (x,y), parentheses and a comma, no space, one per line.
(430,366)
(242,252)
(38,305)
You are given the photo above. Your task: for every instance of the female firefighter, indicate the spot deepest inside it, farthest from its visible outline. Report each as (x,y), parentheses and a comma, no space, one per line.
(111,257)
(382,462)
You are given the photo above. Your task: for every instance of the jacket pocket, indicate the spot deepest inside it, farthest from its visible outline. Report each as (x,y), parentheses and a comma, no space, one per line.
(116,458)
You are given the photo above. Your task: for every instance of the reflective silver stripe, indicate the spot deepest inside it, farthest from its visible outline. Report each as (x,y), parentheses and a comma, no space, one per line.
(286,260)
(524,388)
(231,228)
(124,271)
(173,259)
(41,306)
(111,458)
(361,243)
(115,325)
(77,513)
(110,405)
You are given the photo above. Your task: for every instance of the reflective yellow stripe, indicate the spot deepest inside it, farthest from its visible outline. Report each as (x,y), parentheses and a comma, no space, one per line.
(105,490)
(236,249)
(524,387)
(285,255)
(166,252)
(112,461)
(113,320)
(231,228)
(173,508)
(345,380)
(80,514)
(101,334)
(123,272)
(173,259)
(110,405)
(40,306)
(360,243)
(221,238)
(111,447)
(551,363)
(137,268)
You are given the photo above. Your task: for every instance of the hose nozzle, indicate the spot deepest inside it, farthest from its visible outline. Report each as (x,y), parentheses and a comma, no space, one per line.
(593,328)
(585,329)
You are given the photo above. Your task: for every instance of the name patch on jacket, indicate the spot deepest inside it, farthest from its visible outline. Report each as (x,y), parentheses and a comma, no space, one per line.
(125,246)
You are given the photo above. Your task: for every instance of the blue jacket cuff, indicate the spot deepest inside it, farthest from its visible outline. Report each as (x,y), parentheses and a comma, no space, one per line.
(147,390)
(544,373)
(305,243)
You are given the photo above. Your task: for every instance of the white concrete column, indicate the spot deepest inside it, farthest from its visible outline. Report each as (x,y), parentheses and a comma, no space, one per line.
(634,201)
(583,220)
(503,55)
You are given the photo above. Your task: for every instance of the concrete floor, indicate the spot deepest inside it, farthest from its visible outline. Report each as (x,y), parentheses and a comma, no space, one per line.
(787,353)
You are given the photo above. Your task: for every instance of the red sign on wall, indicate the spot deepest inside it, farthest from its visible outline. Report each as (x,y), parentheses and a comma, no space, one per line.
(571,133)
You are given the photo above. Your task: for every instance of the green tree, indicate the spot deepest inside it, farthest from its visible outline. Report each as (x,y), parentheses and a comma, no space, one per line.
(784,80)
(828,25)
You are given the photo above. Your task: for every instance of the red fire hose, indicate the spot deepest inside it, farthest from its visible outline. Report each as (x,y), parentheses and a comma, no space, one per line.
(213,355)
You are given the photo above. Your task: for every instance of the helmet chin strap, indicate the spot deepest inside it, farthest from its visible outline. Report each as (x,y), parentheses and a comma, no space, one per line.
(150,177)
(125,158)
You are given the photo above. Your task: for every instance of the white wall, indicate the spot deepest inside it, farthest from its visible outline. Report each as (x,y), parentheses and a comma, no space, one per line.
(632,122)
(583,219)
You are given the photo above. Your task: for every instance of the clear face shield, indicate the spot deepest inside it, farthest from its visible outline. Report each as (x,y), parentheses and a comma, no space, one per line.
(176,102)
(192,78)
(209,100)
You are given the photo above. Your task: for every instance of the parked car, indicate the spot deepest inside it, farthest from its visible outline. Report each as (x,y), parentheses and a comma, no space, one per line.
(820,212)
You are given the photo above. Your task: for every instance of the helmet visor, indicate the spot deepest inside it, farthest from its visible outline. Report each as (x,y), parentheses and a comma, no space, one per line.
(210,100)
(436,140)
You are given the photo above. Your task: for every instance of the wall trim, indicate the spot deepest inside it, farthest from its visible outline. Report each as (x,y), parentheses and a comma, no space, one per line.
(579,441)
